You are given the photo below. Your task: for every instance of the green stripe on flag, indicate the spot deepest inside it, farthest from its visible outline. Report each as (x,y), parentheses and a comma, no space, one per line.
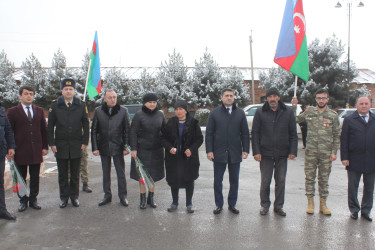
(300,66)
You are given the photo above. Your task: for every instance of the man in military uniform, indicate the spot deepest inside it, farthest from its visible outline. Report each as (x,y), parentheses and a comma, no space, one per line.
(323,141)
(68,136)
(85,172)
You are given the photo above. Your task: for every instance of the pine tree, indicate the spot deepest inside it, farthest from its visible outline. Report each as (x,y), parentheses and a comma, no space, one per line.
(57,72)
(233,79)
(139,87)
(8,85)
(117,81)
(206,74)
(34,75)
(172,81)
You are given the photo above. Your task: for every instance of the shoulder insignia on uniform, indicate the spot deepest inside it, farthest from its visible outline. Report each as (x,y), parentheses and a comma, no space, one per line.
(50,109)
(53,100)
(86,110)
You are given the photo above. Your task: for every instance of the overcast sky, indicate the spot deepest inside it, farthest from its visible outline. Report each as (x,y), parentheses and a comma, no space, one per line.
(143,32)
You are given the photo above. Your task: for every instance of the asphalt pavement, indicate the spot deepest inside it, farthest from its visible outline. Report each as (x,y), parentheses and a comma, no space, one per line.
(116,227)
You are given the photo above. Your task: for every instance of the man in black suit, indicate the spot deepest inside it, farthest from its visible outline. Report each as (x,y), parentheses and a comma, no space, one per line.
(109,134)
(68,136)
(358,156)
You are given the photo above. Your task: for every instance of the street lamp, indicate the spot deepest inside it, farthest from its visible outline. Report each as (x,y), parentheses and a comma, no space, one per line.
(349,5)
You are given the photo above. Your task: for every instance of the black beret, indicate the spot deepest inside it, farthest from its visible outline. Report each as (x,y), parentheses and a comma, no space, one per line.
(68,82)
(150,97)
(272,91)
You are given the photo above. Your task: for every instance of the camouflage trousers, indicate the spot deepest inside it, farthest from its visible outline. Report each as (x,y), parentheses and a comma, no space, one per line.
(83,170)
(316,160)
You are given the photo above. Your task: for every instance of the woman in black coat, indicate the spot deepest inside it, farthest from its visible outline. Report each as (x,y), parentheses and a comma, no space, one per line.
(182,138)
(145,142)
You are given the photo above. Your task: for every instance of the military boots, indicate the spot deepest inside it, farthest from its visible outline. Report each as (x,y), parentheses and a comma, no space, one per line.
(323,207)
(310,205)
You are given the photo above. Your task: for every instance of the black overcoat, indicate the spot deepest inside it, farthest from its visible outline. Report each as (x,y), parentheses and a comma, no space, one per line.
(68,128)
(179,168)
(110,132)
(145,137)
(358,143)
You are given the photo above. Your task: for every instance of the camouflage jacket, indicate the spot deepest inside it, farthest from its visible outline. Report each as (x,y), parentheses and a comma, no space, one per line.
(323,130)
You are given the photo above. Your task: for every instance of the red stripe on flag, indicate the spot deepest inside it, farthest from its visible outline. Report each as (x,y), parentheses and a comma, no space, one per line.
(94,48)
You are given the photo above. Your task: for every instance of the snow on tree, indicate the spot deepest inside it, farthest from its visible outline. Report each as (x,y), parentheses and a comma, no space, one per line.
(172,81)
(55,74)
(233,79)
(8,85)
(139,87)
(116,80)
(206,73)
(326,71)
(34,75)
(81,75)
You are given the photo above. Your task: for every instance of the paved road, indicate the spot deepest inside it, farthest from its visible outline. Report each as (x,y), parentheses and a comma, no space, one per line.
(116,227)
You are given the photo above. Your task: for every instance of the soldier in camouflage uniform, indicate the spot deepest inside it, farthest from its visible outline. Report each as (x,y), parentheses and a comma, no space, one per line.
(323,141)
(84,172)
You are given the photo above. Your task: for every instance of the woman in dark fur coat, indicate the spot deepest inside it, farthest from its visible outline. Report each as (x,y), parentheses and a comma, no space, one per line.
(182,138)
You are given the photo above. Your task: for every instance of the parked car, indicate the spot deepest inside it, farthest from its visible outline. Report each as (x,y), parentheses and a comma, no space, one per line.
(132,109)
(342,113)
(250,112)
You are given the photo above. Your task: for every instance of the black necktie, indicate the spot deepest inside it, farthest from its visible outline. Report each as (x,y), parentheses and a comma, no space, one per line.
(28,114)
(228,110)
(69,104)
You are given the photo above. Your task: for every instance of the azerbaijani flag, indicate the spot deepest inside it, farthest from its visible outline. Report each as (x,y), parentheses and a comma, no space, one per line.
(291,52)
(94,80)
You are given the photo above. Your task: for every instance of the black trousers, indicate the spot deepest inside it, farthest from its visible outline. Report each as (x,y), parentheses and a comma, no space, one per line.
(189,194)
(3,208)
(118,161)
(368,192)
(34,171)
(267,167)
(68,188)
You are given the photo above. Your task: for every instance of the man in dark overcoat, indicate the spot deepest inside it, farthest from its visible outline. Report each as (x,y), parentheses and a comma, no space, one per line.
(358,156)
(109,135)
(227,143)
(68,136)
(7,146)
(30,133)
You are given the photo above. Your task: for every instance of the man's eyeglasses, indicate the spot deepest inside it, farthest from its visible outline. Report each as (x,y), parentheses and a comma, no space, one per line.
(321,98)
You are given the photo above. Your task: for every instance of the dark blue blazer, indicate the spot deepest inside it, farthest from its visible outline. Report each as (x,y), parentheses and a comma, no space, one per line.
(358,143)
(227,134)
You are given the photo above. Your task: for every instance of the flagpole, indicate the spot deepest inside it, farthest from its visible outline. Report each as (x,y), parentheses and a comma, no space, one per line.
(87,79)
(295,86)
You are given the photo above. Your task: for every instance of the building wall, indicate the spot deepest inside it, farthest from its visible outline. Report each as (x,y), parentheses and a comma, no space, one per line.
(259,92)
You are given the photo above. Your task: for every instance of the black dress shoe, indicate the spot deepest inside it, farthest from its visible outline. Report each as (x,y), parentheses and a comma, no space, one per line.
(366,216)
(75,202)
(22,207)
(263,210)
(354,215)
(35,205)
(234,210)
(105,201)
(218,210)
(63,203)
(7,216)
(124,202)
(86,188)
(280,212)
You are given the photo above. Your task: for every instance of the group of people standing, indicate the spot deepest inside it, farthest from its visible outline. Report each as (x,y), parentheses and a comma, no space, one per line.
(25,136)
